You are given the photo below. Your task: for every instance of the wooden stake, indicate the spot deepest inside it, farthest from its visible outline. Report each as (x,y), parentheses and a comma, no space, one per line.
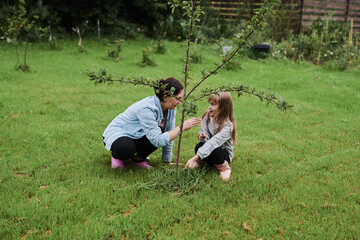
(98,28)
(351,32)
(321,40)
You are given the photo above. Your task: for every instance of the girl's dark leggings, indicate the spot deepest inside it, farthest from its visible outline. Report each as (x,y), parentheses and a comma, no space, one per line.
(125,148)
(218,156)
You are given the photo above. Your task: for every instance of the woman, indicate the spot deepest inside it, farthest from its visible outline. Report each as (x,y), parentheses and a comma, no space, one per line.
(145,126)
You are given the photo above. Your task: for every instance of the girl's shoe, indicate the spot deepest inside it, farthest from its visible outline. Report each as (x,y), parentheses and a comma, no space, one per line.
(224,170)
(116,163)
(143,164)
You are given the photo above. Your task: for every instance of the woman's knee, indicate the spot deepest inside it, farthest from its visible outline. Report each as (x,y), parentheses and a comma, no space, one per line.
(144,147)
(123,148)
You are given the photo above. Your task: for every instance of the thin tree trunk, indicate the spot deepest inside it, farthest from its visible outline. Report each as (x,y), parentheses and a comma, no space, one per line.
(17,55)
(185,84)
(79,40)
(26,46)
(347,10)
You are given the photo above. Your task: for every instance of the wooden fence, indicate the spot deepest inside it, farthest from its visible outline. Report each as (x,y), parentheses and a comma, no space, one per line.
(300,13)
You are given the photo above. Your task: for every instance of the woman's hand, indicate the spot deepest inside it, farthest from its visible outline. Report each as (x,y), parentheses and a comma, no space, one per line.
(201,136)
(191,162)
(190,123)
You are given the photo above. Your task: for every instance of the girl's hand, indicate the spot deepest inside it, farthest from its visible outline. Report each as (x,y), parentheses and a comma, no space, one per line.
(191,162)
(201,136)
(190,123)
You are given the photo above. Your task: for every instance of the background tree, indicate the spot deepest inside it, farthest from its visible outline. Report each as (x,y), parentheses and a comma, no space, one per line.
(118,18)
(17,29)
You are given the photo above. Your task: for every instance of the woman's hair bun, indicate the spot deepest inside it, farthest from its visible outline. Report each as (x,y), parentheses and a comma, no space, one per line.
(167,85)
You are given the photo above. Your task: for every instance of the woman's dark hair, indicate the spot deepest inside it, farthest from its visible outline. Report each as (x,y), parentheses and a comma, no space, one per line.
(167,85)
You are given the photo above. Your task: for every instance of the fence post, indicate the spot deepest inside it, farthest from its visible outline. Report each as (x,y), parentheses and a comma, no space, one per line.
(347,10)
(301,14)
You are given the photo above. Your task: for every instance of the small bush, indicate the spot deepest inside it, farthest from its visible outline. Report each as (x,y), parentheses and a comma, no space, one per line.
(146,60)
(323,43)
(281,22)
(53,44)
(234,64)
(253,54)
(160,47)
(22,67)
(82,49)
(114,54)
(195,55)
(342,63)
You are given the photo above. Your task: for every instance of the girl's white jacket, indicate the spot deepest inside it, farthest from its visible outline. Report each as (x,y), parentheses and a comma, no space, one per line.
(221,139)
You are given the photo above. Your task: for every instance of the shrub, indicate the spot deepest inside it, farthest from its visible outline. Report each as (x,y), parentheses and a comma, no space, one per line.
(160,47)
(323,42)
(195,55)
(19,29)
(281,22)
(53,44)
(114,54)
(174,26)
(234,64)
(146,60)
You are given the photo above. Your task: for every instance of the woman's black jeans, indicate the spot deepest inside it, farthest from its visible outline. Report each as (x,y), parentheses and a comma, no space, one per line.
(125,148)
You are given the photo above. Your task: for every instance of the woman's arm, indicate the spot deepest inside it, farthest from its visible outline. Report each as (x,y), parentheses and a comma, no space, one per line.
(166,151)
(147,119)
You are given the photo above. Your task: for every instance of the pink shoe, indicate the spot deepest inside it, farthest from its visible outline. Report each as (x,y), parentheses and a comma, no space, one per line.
(143,164)
(116,163)
(224,170)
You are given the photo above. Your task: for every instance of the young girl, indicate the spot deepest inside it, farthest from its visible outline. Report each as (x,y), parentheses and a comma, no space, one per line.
(216,136)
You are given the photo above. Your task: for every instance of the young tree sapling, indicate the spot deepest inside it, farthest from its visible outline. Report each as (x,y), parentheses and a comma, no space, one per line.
(193,11)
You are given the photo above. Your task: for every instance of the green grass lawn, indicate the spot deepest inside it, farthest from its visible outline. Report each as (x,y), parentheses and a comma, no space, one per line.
(295,175)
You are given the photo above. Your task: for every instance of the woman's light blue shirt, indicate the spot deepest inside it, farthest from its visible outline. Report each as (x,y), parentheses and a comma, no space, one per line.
(140,119)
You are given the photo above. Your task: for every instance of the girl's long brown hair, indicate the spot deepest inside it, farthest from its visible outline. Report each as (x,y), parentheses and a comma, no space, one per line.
(224,112)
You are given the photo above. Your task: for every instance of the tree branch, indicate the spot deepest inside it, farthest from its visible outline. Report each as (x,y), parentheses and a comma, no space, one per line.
(101,76)
(255,22)
(270,98)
